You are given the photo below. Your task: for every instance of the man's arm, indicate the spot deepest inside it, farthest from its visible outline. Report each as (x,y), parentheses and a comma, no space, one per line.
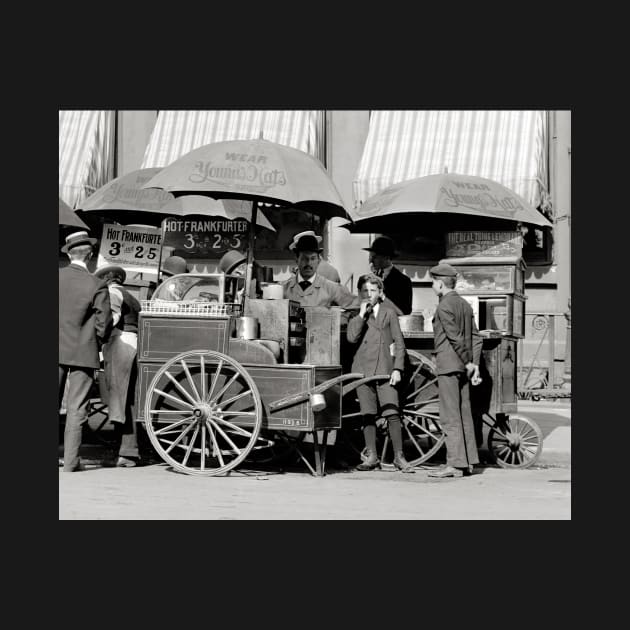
(116,302)
(342,297)
(407,296)
(477,343)
(399,344)
(454,334)
(355,328)
(103,322)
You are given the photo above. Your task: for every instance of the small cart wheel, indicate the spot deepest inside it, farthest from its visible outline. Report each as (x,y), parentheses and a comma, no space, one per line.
(515,442)
(203,413)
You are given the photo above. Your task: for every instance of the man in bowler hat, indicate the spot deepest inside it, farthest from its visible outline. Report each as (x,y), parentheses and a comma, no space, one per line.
(457,353)
(398,287)
(324,268)
(308,287)
(85,323)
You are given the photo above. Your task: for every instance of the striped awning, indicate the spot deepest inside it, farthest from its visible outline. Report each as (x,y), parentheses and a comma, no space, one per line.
(179,132)
(509,147)
(86,153)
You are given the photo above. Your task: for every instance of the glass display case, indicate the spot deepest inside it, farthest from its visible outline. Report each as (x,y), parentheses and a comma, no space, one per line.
(504,314)
(486,279)
(498,284)
(219,288)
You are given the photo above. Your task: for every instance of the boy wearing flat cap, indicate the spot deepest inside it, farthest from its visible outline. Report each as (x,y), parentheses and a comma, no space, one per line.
(308,287)
(398,288)
(457,353)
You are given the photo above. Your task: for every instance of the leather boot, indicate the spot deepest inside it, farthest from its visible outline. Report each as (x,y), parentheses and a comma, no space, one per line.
(447,471)
(402,464)
(372,461)
(395,432)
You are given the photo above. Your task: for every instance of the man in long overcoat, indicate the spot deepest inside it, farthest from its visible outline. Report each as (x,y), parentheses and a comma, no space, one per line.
(457,352)
(85,322)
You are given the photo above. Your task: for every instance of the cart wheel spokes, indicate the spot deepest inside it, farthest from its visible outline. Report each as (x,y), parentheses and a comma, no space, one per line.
(515,442)
(420,411)
(203,413)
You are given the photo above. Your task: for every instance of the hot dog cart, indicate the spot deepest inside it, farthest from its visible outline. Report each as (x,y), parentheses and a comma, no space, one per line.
(494,285)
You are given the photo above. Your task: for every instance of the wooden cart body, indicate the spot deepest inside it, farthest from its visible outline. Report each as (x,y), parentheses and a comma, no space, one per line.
(283,392)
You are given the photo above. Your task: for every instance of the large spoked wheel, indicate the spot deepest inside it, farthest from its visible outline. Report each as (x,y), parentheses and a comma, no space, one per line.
(423,435)
(203,413)
(515,442)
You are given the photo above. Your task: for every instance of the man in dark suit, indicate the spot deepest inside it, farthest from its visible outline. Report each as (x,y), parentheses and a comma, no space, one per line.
(85,322)
(376,330)
(398,287)
(457,353)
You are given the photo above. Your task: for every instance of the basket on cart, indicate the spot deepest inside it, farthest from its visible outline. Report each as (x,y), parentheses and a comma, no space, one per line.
(190,307)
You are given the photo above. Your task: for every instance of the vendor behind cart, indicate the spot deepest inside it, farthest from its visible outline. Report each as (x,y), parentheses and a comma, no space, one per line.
(311,289)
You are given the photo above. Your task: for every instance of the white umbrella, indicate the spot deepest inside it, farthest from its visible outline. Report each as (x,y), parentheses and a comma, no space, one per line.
(449,193)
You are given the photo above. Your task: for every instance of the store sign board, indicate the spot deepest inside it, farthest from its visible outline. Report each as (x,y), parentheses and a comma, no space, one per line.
(135,249)
(205,238)
(484,243)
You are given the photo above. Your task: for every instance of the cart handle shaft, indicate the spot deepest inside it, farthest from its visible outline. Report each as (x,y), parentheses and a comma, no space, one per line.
(296,399)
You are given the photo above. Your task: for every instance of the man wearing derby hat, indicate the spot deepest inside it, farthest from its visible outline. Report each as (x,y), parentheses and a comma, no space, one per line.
(119,354)
(398,287)
(309,288)
(457,354)
(324,268)
(85,323)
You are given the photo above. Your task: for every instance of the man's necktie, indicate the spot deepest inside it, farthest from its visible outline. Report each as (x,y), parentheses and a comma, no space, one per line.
(305,284)
(379,273)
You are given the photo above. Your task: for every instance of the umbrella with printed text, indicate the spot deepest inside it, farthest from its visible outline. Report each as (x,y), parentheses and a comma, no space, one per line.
(125,200)
(257,170)
(441,196)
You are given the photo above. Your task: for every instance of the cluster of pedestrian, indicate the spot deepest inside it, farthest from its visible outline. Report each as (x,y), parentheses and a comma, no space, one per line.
(98,315)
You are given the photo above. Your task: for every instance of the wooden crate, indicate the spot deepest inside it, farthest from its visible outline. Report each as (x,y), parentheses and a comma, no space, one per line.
(162,337)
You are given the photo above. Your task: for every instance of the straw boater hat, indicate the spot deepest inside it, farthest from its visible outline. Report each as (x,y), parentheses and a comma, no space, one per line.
(297,237)
(77,238)
(231,260)
(116,269)
(306,241)
(383,246)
